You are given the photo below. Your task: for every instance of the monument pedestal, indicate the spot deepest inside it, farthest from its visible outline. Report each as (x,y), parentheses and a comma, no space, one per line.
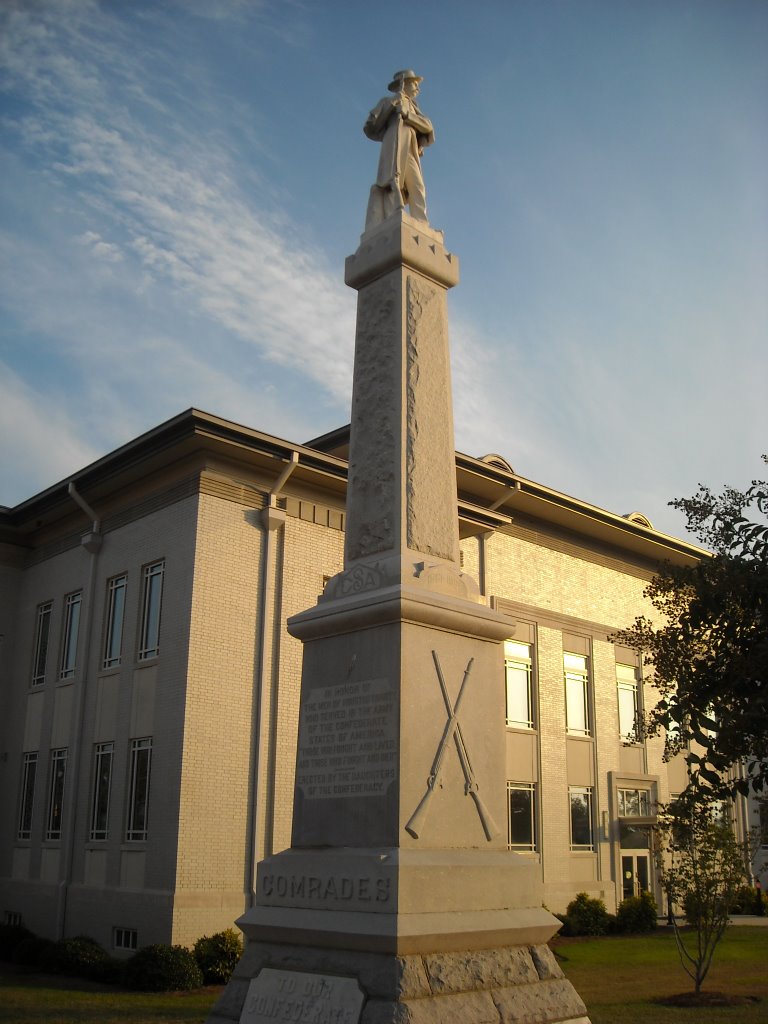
(520,985)
(399,900)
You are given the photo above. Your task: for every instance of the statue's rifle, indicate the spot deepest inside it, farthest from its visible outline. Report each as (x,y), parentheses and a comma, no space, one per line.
(416,820)
(471,787)
(396,189)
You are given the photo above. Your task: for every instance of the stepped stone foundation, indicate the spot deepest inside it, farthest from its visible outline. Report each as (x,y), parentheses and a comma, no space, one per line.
(523,985)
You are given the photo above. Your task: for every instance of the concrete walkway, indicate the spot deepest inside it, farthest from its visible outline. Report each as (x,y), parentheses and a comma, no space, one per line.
(751,920)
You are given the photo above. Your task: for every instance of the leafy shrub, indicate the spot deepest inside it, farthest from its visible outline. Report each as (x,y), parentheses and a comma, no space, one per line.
(566,928)
(10,937)
(217,955)
(587,916)
(691,908)
(637,914)
(748,901)
(81,957)
(162,968)
(109,971)
(35,951)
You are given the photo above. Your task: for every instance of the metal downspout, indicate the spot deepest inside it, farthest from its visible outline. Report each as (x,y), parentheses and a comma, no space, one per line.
(743,813)
(482,567)
(92,543)
(272,519)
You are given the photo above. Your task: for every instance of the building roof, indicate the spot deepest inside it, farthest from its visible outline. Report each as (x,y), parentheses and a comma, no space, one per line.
(490,494)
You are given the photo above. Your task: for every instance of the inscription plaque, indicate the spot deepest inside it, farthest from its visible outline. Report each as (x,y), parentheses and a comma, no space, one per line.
(347,740)
(301,998)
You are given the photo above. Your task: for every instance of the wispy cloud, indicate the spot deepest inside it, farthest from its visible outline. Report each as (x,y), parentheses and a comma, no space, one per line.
(163,220)
(28,435)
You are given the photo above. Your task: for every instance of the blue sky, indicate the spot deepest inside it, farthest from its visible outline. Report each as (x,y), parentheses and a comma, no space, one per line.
(182,180)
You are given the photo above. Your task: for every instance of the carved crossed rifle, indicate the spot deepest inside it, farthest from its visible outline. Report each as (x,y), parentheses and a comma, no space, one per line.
(453,732)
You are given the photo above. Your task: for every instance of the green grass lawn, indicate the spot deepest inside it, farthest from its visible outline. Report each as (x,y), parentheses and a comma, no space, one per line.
(618,978)
(44,999)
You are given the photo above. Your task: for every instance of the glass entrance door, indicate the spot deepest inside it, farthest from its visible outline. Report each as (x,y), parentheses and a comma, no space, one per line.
(634,873)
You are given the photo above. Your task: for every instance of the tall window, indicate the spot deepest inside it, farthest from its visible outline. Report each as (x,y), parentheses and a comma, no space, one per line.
(27,798)
(149,632)
(576,694)
(102,783)
(113,632)
(721,812)
(138,790)
(56,793)
(42,633)
(71,629)
(521,804)
(582,836)
(629,704)
(517,669)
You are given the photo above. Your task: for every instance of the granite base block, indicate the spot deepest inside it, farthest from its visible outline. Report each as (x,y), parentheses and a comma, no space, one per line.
(514,985)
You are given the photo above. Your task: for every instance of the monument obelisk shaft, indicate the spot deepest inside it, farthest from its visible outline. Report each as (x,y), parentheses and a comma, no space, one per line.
(397,854)
(400,778)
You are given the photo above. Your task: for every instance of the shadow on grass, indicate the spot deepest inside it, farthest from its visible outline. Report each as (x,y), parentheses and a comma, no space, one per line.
(30,998)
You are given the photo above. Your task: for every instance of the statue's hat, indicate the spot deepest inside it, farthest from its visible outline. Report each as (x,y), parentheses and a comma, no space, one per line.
(403,76)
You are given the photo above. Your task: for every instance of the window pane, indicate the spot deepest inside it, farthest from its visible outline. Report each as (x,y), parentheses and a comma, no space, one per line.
(634,837)
(102,781)
(634,803)
(628,712)
(41,643)
(516,651)
(150,619)
(577,662)
(517,666)
(626,679)
(28,777)
(576,716)
(138,790)
(56,793)
(581,819)
(522,818)
(71,628)
(631,802)
(113,641)
(125,938)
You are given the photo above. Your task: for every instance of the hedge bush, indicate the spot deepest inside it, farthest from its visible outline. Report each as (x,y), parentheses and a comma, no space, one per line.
(748,901)
(587,916)
(217,955)
(637,914)
(82,957)
(37,952)
(10,937)
(161,968)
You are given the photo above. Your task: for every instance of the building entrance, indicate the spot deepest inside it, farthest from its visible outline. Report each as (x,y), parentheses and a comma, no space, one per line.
(635,856)
(634,874)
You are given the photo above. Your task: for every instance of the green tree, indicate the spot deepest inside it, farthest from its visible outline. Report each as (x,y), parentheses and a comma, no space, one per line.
(701,868)
(710,651)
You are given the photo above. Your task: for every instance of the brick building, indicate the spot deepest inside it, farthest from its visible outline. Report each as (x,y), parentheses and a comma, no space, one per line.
(150,689)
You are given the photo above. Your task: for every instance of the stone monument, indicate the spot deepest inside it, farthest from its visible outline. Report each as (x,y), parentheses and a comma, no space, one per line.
(398,899)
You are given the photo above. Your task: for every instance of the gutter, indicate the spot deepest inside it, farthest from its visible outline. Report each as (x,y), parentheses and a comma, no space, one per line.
(261,795)
(92,542)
